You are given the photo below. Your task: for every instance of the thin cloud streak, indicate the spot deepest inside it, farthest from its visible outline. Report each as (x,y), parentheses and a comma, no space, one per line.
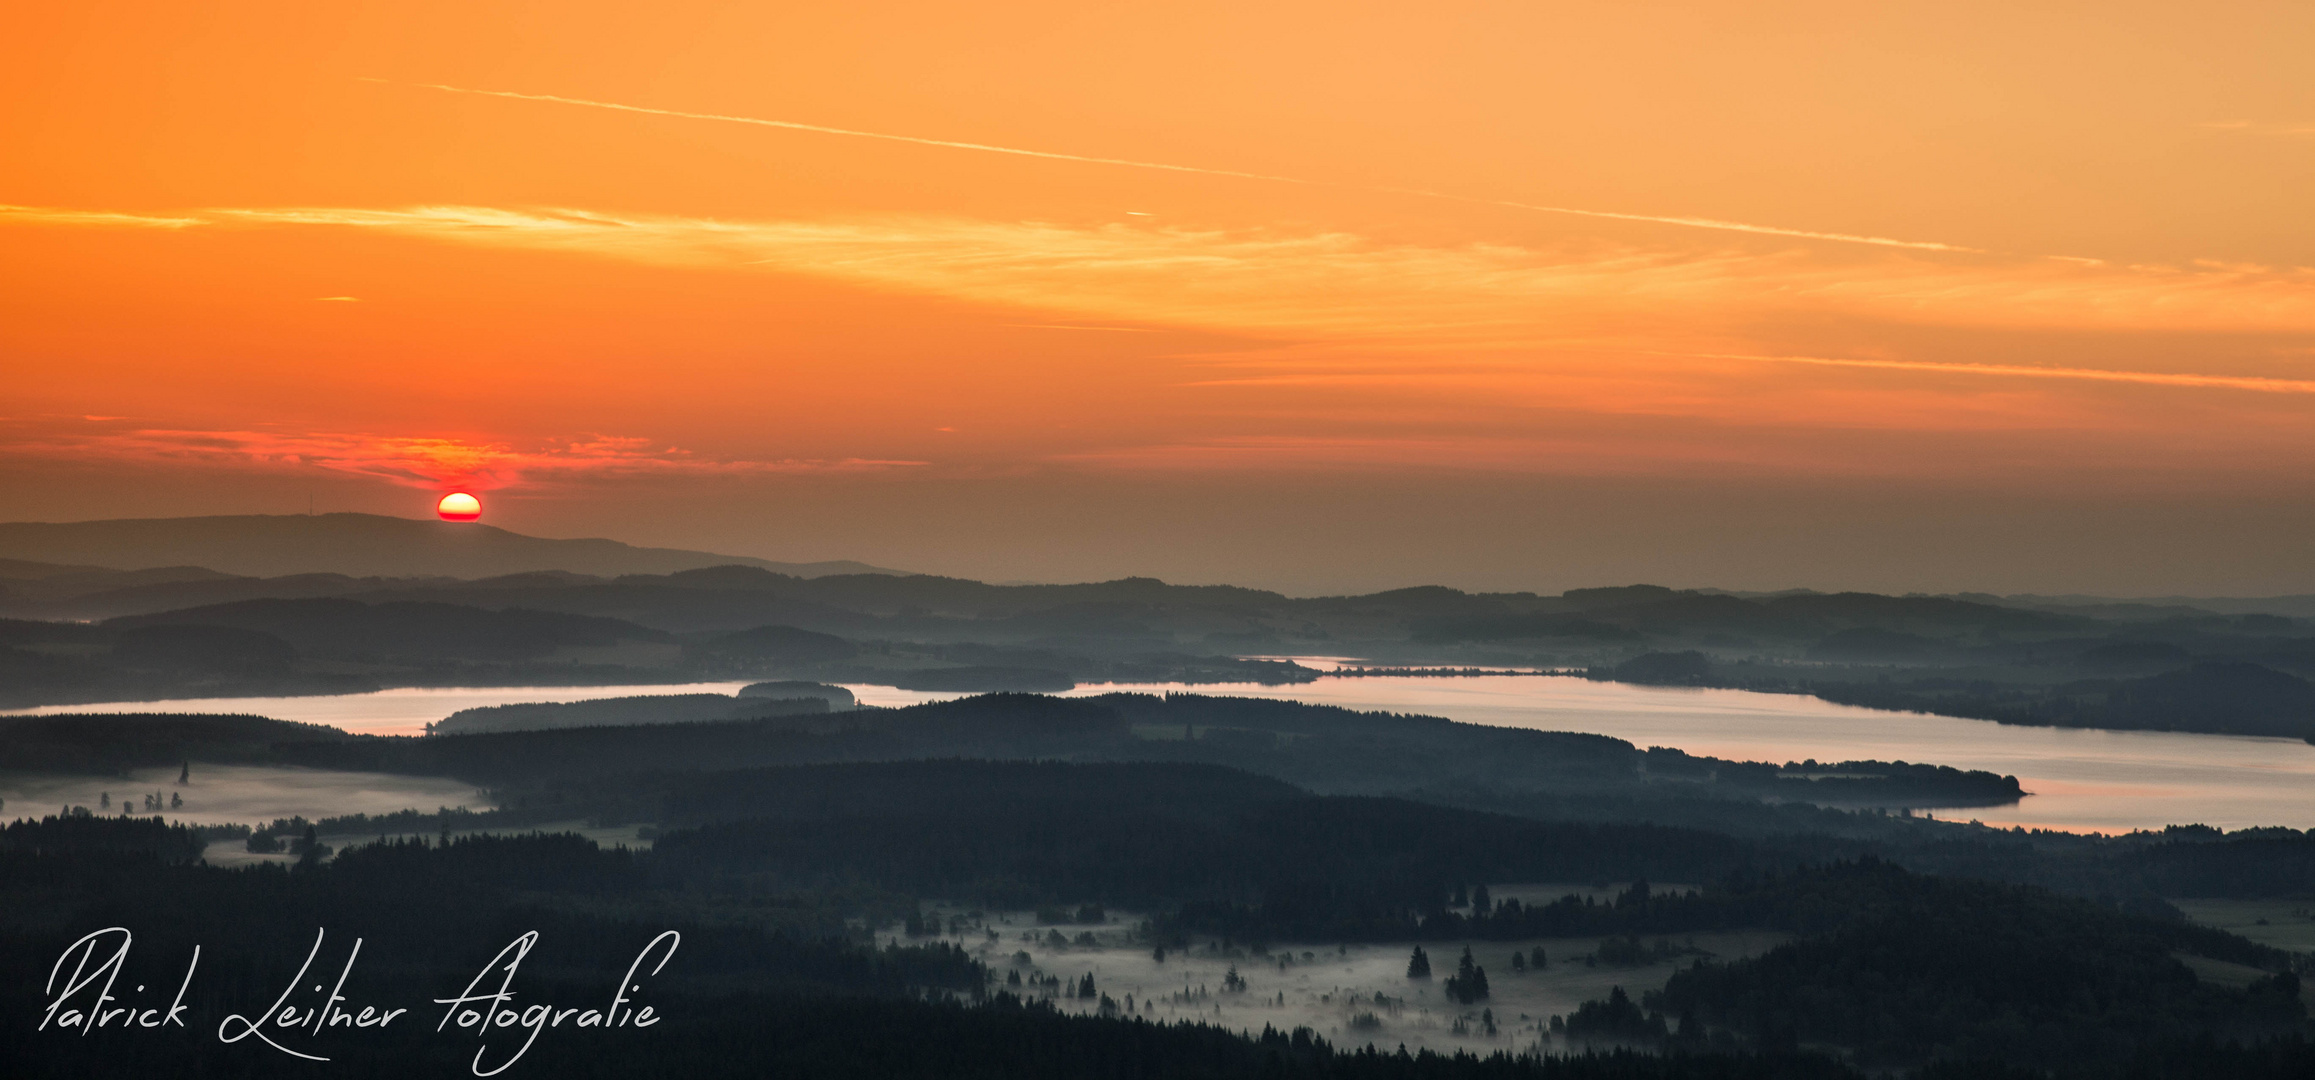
(821,129)
(1699,223)
(2253,127)
(951,144)
(1346,303)
(1071,326)
(1337,284)
(1592,454)
(2151,378)
(418,461)
(43,215)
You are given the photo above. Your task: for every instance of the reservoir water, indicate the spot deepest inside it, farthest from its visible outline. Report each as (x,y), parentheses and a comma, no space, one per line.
(2081,780)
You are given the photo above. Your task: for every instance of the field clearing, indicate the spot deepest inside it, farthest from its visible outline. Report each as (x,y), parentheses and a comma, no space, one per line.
(237,794)
(2284,924)
(1326,986)
(237,853)
(2221,972)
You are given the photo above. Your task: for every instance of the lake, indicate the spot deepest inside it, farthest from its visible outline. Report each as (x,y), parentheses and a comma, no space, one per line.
(2081,780)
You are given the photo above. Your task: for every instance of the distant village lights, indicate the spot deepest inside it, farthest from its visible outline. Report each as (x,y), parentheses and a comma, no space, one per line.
(459,506)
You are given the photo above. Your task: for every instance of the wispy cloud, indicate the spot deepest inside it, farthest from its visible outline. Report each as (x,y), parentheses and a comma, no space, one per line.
(1074,326)
(415,461)
(2257,127)
(1486,454)
(2020,371)
(1339,283)
(1631,452)
(1682,221)
(48,215)
(1416,306)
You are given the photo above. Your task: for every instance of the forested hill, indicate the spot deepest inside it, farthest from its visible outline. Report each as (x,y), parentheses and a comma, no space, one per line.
(2097,665)
(354,545)
(1322,748)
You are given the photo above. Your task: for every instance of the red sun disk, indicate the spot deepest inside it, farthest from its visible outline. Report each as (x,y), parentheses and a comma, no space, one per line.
(459,506)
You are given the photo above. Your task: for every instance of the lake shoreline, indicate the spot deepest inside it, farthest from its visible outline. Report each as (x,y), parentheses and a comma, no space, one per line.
(2079,780)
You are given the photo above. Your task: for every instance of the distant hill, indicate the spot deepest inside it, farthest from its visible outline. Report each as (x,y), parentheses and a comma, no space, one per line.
(2162,607)
(359,545)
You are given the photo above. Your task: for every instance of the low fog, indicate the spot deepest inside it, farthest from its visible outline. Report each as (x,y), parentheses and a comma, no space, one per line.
(235,795)
(1350,995)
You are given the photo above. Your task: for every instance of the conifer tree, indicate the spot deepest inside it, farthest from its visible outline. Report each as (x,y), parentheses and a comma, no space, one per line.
(1469,982)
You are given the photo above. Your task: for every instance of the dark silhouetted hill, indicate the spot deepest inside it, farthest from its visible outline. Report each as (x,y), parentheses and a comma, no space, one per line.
(622,712)
(2218,696)
(359,545)
(352,630)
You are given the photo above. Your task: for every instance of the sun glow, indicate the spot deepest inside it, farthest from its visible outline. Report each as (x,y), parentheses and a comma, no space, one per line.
(459,506)
(686,275)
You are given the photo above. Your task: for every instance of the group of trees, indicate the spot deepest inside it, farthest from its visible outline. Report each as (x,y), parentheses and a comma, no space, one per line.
(1905,968)
(2218,696)
(1617,1018)
(1468,985)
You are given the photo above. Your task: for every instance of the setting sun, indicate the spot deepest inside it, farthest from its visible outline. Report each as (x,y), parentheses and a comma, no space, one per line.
(459,506)
(1855,460)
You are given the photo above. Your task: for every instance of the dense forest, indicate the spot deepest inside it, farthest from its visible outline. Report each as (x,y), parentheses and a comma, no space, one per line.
(1923,969)
(1324,748)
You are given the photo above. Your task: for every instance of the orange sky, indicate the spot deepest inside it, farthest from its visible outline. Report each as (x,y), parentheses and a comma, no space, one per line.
(1319,296)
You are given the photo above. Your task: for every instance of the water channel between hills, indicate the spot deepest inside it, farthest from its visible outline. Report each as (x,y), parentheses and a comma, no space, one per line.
(2081,780)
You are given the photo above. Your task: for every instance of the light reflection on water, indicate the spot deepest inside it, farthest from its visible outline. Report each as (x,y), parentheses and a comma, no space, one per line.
(403,711)
(2082,780)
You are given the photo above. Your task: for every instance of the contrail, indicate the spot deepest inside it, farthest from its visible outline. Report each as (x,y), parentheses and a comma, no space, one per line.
(37,215)
(2154,378)
(791,125)
(1074,326)
(1707,223)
